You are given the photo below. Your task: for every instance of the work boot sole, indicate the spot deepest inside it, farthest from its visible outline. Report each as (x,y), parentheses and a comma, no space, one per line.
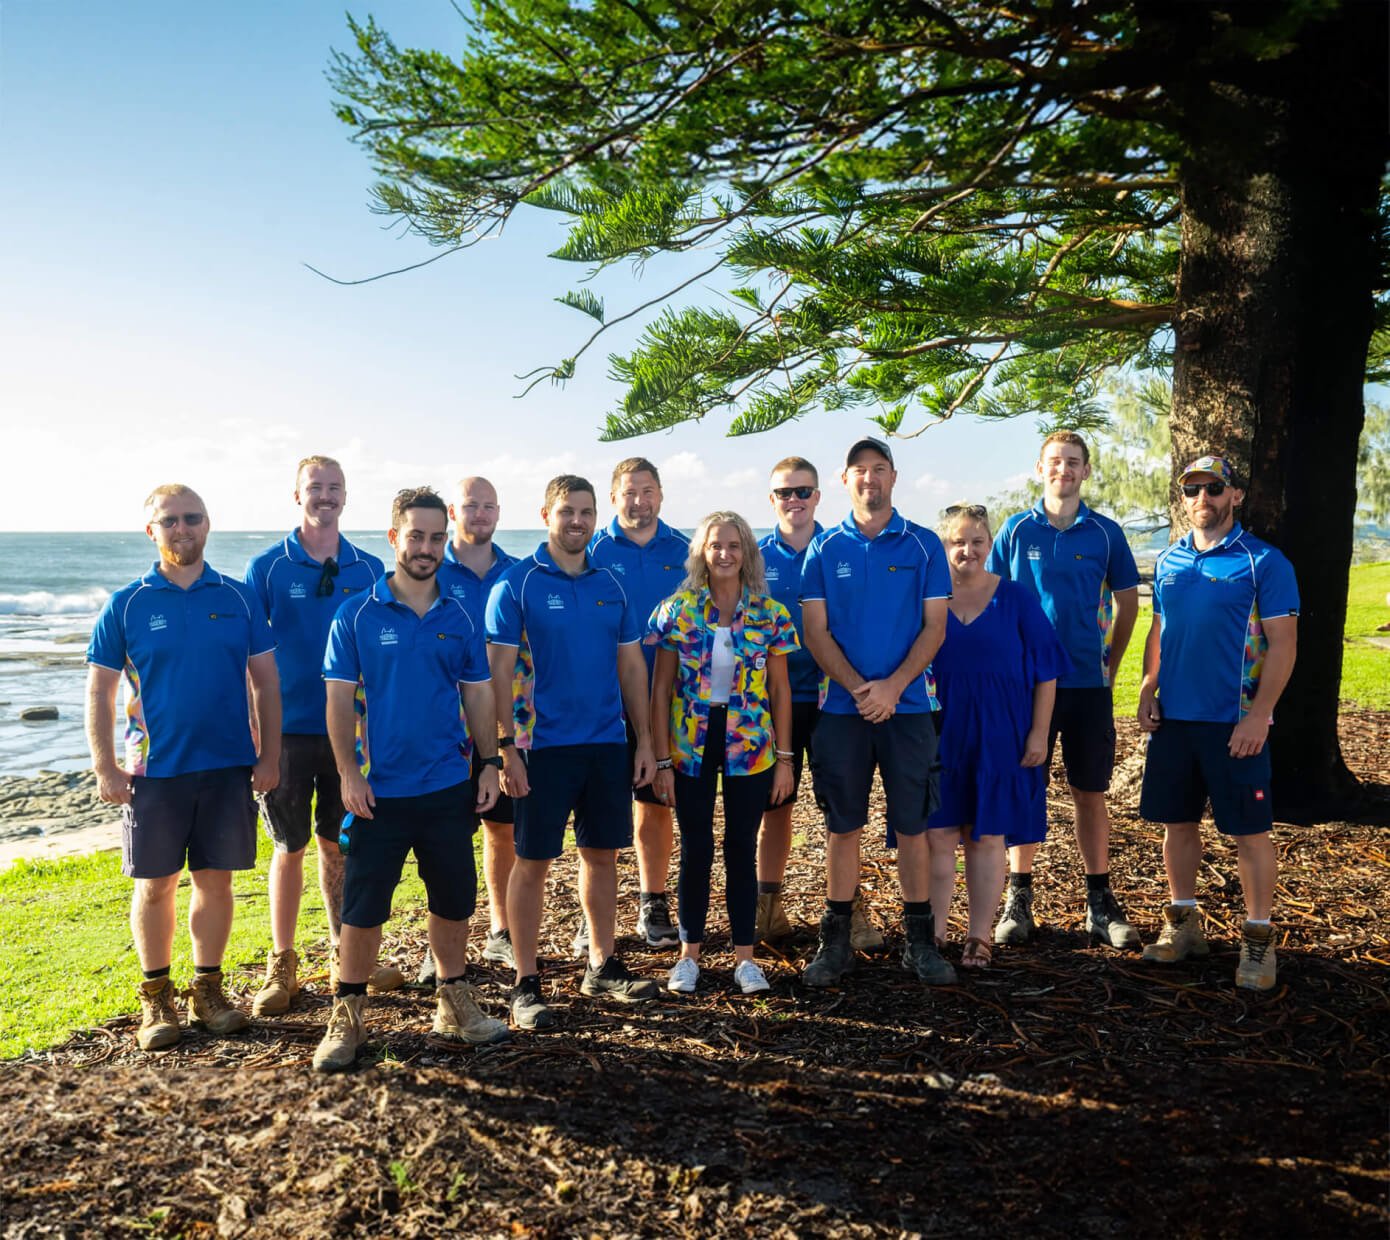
(1129,938)
(335,1063)
(465,1039)
(277,1003)
(160,1039)
(534,1018)
(1195,953)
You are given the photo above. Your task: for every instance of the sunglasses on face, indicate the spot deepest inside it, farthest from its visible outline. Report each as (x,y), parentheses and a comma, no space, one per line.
(1194,489)
(788,492)
(190,519)
(327,577)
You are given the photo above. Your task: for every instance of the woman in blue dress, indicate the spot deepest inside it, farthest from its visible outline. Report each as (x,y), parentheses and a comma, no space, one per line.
(996,676)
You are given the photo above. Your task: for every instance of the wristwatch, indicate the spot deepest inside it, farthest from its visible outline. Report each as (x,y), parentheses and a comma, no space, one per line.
(504,741)
(495,760)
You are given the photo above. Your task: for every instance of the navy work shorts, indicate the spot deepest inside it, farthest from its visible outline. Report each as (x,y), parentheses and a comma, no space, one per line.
(206,818)
(846,750)
(1190,764)
(1085,720)
(594,782)
(290,810)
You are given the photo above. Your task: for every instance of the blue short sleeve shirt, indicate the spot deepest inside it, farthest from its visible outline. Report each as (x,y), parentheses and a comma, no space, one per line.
(412,737)
(460,582)
(1074,574)
(874,590)
(783,566)
(648,573)
(573,626)
(1213,604)
(285,580)
(183,654)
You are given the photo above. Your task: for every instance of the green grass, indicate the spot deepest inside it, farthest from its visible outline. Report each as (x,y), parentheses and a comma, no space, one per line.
(1365,667)
(67,960)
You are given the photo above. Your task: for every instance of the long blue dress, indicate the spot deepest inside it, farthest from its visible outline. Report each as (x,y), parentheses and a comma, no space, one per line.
(985,675)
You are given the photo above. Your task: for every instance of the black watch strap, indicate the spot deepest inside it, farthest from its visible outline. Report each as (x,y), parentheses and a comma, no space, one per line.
(495,760)
(504,741)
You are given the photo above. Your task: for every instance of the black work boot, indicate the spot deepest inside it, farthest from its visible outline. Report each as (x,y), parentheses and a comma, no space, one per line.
(834,956)
(919,953)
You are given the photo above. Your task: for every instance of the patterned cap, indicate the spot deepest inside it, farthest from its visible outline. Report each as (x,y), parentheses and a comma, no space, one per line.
(1217,465)
(869,442)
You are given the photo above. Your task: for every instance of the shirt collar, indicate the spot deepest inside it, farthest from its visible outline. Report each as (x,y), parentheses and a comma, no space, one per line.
(786,546)
(1235,532)
(896,525)
(294,548)
(547,562)
(499,558)
(663,531)
(1039,512)
(208,577)
(706,603)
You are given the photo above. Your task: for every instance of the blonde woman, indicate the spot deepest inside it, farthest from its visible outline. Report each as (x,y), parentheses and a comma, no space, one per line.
(720,703)
(996,673)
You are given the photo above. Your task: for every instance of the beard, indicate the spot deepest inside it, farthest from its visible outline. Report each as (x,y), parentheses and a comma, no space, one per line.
(416,571)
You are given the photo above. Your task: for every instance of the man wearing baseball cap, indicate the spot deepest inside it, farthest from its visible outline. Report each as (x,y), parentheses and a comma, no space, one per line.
(1218,656)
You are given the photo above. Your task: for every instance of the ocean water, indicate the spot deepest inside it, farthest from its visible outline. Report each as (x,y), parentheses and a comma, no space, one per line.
(52,586)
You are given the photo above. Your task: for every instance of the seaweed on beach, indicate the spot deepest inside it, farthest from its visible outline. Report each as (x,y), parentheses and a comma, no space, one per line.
(1067,1090)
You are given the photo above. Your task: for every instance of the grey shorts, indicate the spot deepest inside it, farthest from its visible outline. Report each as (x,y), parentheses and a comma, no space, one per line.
(308,796)
(206,819)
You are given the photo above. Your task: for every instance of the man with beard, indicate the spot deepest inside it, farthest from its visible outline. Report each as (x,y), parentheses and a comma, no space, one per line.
(583,635)
(299,584)
(187,640)
(412,654)
(648,557)
(1221,649)
(873,607)
(1078,565)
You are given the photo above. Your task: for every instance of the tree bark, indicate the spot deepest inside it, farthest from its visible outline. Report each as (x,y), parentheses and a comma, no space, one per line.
(1275,305)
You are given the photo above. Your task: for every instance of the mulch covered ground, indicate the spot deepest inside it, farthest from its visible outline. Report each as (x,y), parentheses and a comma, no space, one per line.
(1069,1090)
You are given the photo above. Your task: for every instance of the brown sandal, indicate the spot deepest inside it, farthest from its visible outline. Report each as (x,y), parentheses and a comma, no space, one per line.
(977,954)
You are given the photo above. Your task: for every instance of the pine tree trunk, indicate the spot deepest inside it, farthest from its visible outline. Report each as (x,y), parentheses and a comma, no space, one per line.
(1274,318)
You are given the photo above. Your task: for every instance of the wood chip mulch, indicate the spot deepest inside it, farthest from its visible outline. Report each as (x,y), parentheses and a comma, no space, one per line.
(1068,1090)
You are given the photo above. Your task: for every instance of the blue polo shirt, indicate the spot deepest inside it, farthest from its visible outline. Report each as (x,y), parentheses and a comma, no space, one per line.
(1073,573)
(460,582)
(574,626)
(648,574)
(183,653)
(874,589)
(1212,641)
(783,568)
(412,737)
(285,580)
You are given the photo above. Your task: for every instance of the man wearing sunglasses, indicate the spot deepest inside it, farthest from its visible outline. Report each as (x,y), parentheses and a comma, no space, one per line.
(1221,649)
(188,641)
(299,583)
(1078,565)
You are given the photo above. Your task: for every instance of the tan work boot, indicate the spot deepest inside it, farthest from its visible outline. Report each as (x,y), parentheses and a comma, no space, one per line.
(772,924)
(385,977)
(209,1007)
(344,1036)
(863,934)
(1258,963)
(458,1017)
(1180,937)
(281,984)
(159,1018)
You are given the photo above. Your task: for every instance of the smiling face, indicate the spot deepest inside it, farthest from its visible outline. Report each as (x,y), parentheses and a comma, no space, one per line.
(419,541)
(793,512)
(1212,514)
(475,511)
(637,498)
(570,520)
(178,526)
(321,491)
(1062,469)
(967,544)
(723,555)
(869,478)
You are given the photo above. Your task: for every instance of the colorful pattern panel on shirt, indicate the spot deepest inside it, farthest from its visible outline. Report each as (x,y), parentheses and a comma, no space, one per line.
(1105,622)
(137,733)
(761,629)
(1256,647)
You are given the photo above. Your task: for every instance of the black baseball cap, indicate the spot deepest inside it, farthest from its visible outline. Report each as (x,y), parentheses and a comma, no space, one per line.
(876,445)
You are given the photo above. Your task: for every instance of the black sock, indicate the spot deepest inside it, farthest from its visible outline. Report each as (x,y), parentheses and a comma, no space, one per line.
(841,908)
(449,981)
(1097,882)
(207,968)
(1021,880)
(351,988)
(916,908)
(768,889)
(151,974)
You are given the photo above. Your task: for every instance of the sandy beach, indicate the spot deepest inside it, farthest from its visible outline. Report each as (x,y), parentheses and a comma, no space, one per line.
(54,814)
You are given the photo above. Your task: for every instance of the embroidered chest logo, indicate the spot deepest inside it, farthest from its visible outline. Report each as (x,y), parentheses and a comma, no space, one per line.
(158,623)
(619,567)
(555,602)
(772,574)
(298,590)
(842,569)
(1035,553)
(388,635)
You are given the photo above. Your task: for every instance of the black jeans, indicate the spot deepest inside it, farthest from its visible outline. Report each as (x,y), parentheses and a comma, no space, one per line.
(745,798)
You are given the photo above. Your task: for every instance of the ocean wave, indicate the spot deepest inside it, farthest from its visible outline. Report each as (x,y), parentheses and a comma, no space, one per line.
(45,603)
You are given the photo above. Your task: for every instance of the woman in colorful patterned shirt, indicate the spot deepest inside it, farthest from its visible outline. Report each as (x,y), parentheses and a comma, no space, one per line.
(720,701)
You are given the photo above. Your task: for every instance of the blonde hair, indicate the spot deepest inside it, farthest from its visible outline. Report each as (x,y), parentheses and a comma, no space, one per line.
(167,489)
(750,572)
(956,513)
(321,461)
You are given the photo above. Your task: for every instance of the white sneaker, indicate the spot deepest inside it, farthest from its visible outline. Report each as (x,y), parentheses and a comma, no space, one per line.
(749,978)
(683,976)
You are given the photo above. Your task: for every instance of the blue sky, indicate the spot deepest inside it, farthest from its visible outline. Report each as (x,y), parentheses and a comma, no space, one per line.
(170,169)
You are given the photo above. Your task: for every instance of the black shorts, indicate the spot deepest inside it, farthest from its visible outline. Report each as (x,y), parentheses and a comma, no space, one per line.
(847,749)
(1085,720)
(289,810)
(501,810)
(204,818)
(804,718)
(438,827)
(645,793)
(592,781)
(1189,764)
